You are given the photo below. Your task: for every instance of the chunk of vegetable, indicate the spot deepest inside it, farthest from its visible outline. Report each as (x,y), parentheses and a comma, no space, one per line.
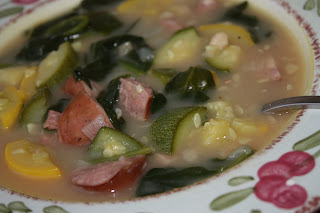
(110,144)
(164,75)
(12,75)
(28,82)
(169,130)
(222,59)
(30,159)
(34,110)
(236,34)
(57,66)
(183,46)
(11,101)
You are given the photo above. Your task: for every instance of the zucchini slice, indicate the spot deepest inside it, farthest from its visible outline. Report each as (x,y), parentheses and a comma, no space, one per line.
(170,130)
(57,66)
(34,110)
(110,144)
(182,47)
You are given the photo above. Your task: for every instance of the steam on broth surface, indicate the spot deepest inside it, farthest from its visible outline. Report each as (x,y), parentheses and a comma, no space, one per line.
(157,90)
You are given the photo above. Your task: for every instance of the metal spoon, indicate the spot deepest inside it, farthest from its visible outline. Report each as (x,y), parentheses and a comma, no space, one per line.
(299,102)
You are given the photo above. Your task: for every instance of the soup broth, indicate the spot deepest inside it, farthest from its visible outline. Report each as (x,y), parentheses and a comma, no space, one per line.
(196,60)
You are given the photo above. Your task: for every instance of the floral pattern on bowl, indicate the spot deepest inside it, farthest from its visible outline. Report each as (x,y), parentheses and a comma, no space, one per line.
(282,178)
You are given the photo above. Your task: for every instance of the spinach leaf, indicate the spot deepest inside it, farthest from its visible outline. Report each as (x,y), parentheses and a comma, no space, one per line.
(48,36)
(191,84)
(98,69)
(130,51)
(158,180)
(108,99)
(237,14)
(103,22)
(158,102)
(92,4)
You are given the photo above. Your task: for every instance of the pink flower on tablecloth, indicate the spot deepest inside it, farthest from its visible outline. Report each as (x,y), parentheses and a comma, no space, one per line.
(24,1)
(275,185)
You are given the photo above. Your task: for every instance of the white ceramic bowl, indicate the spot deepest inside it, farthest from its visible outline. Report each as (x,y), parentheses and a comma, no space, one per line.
(219,192)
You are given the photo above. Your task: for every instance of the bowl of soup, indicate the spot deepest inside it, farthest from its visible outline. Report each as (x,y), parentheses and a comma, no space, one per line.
(155,106)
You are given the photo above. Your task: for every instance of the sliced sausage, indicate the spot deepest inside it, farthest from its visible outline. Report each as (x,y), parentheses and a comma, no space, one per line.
(73,87)
(110,176)
(52,120)
(80,112)
(135,98)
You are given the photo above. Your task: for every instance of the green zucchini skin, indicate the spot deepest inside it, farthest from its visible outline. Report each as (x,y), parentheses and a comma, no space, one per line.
(107,137)
(169,130)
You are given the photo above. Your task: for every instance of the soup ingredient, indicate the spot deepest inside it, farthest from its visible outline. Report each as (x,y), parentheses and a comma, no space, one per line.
(34,110)
(110,144)
(158,180)
(170,130)
(164,75)
(11,101)
(135,98)
(12,75)
(192,84)
(220,55)
(28,82)
(183,46)
(82,112)
(110,176)
(130,51)
(73,87)
(57,66)
(30,159)
(237,35)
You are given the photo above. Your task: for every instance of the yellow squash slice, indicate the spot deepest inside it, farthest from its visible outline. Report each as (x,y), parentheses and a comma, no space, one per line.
(30,159)
(11,101)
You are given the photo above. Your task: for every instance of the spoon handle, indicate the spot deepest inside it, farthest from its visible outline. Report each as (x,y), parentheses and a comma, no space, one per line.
(299,102)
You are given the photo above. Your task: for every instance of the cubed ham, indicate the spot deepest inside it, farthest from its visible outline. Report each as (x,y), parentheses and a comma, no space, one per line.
(80,112)
(73,87)
(110,176)
(94,126)
(135,98)
(49,139)
(271,70)
(171,24)
(205,6)
(52,120)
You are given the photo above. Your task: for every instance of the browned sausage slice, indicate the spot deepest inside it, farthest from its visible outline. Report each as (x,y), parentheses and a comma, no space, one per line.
(80,112)
(73,87)
(110,175)
(135,98)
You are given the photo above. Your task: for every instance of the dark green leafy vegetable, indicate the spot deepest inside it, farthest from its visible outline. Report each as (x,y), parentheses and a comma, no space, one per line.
(70,26)
(48,36)
(103,22)
(191,84)
(98,69)
(158,180)
(79,75)
(92,4)
(130,51)
(108,99)
(237,15)
(158,102)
